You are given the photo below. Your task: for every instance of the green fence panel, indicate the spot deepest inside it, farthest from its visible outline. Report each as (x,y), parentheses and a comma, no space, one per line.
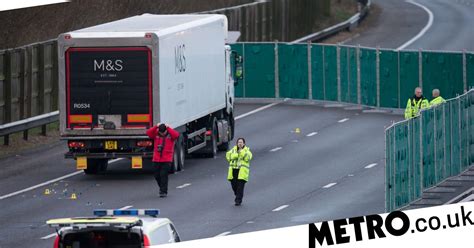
(443,71)
(416,159)
(448,138)
(239,88)
(455,137)
(429,170)
(464,105)
(344,73)
(352,74)
(470,70)
(368,81)
(389,79)
(330,73)
(401,166)
(471,127)
(293,70)
(409,78)
(259,70)
(317,72)
(439,144)
(389,168)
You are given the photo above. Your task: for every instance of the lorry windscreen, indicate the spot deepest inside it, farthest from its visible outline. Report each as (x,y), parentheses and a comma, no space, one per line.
(110,84)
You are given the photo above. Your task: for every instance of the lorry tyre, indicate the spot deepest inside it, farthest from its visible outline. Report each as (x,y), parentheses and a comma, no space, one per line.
(175,164)
(182,153)
(225,145)
(212,144)
(96,166)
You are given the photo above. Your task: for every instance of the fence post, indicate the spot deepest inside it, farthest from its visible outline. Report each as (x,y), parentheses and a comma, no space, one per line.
(459,133)
(310,73)
(420,68)
(394,169)
(377,74)
(8,87)
(398,74)
(444,137)
(243,70)
(324,71)
(359,97)
(420,119)
(338,69)
(464,70)
(41,70)
(435,134)
(410,164)
(277,72)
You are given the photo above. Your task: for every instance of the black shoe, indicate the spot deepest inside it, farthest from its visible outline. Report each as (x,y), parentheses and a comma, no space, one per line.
(238,203)
(163,195)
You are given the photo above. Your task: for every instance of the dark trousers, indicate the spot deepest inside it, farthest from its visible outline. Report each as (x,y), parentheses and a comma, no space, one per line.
(161,175)
(237,186)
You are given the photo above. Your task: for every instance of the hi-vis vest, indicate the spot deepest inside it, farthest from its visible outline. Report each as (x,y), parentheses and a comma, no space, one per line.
(414,107)
(437,100)
(239,160)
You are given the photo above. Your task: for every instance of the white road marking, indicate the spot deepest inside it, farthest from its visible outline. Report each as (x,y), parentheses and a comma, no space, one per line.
(126,207)
(280,208)
(222,234)
(257,110)
(423,31)
(49,182)
(183,186)
(311,134)
(370,165)
(329,185)
(49,236)
(276,149)
(343,120)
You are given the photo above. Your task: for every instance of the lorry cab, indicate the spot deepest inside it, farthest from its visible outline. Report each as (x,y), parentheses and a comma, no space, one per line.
(131,228)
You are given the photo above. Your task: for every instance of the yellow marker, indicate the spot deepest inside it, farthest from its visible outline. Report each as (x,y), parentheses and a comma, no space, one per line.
(297,130)
(137,163)
(73,196)
(81,163)
(47,192)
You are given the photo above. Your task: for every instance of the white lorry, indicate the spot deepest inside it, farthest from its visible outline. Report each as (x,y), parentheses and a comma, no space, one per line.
(118,79)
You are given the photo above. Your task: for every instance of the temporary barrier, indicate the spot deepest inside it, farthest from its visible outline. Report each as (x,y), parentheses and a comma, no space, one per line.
(423,151)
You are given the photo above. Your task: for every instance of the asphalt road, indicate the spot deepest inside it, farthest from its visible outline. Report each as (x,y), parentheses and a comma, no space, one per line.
(399,21)
(295,176)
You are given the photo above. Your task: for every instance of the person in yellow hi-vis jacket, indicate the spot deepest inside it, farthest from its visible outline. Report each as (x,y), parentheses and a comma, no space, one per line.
(239,168)
(437,99)
(415,104)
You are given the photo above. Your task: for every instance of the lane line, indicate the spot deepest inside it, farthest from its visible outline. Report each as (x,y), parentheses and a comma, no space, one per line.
(423,31)
(126,207)
(183,186)
(343,120)
(49,182)
(312,134)
(257,110)
(370,165)
(276,149)
(115,160)
(222,234)
(329,185)
(280,208)
(48,236)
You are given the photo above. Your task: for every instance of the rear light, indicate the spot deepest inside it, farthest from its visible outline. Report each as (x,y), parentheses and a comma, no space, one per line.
(75,144)
(146,240)
(67,37)
(80,119)
(56,242)
(140,118)
(208,133)
(144,143)
(148,35)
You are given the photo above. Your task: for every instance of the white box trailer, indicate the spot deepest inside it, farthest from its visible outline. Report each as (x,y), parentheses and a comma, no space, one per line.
(118,79)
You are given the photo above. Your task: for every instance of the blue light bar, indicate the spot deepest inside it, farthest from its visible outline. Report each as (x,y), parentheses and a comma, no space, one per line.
(126,212)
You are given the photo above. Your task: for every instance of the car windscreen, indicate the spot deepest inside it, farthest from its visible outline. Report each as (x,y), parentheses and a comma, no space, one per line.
(102,238)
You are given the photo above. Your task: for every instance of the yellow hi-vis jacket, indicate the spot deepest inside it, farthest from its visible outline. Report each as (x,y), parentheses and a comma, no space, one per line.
(437,100)
(414,107)
(239,160)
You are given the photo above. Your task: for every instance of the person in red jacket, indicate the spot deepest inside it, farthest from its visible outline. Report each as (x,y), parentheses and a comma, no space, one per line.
(163,138)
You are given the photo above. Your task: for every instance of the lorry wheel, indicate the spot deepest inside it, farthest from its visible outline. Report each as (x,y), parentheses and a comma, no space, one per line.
(96,166)
(175,164)
(182,154)
(225,145)
(212,145)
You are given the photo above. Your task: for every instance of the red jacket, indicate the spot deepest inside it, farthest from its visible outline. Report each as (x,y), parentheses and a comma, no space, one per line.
(170,138)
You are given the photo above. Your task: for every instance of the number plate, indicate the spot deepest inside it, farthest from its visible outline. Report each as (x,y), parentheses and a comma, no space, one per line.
(111,145)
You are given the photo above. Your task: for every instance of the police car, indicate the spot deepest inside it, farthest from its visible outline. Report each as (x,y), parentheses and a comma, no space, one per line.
(131,228)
